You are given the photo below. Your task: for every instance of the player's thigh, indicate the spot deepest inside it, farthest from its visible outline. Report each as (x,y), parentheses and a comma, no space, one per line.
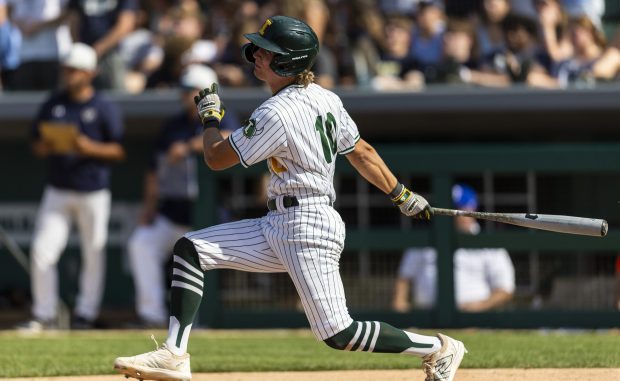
(238,245)
(310,251)
(52,226)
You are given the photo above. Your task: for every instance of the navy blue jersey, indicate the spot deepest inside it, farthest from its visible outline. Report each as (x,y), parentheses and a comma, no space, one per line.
(97,17)
(99,120)
(177,182)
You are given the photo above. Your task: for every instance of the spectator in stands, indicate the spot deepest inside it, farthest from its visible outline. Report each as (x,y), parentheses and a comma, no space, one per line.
(523,61)
(10,42)
(141,52)
(457,61)
(317,15)
(181,30)
(170,189)
(524,8)
(102,24)
(79,132)
(489,32)
(594,9)
(230,67)
(484,279)
(366,32)
(45,39)
(337,40)
(394,66)
(592,60)
(427,40)
(553,29)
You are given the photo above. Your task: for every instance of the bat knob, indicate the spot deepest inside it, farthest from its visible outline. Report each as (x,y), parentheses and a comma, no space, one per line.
(604,227)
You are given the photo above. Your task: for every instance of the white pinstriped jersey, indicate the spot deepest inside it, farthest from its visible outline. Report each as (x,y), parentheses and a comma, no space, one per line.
(298,131)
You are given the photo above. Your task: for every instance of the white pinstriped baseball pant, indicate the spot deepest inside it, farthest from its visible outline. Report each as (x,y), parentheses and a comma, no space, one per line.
(306,241)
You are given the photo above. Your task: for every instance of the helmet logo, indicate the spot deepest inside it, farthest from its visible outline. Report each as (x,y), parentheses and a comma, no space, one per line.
(264,27)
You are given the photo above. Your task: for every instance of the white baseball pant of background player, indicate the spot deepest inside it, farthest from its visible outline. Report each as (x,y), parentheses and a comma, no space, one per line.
(149,248)
(59,208)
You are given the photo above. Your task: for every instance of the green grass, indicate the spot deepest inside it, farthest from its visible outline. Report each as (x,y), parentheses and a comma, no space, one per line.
(222,351)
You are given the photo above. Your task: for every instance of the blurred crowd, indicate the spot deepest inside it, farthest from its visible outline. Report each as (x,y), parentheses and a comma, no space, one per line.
(381,44)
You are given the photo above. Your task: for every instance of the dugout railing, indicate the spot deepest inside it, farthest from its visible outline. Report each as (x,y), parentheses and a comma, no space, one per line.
(442,164)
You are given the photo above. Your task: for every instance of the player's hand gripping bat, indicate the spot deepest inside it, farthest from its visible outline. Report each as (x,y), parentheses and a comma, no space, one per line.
(561,224)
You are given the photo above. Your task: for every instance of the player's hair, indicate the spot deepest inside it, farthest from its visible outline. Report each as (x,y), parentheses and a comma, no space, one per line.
(305,78)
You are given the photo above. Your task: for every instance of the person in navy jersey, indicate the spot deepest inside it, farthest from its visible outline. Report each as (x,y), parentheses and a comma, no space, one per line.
(79,132)
(102,25)
(170,189)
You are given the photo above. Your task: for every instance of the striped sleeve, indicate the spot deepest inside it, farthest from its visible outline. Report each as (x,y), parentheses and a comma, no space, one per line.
(349,135)
(262,137)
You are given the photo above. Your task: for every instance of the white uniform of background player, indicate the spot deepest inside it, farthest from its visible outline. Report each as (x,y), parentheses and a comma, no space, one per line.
(171,187)
(77,189)
(483,278)
(299,131)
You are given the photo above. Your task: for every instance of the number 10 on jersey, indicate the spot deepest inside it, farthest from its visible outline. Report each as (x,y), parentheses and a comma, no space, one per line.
(328,134)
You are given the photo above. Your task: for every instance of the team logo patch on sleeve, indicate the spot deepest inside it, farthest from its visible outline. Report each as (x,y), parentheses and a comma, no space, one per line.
(250,129)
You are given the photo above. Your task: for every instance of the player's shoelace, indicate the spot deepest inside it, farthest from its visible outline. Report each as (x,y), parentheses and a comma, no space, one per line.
(153,358)
(429,369)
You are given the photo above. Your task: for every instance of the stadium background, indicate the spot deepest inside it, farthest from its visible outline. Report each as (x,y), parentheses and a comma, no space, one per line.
(525,149)
(543,172)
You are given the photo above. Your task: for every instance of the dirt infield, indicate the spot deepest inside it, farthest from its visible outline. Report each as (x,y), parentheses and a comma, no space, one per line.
(385,375)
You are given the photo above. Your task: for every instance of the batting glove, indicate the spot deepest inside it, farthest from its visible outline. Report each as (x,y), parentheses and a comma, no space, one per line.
(210,108)
(412,204)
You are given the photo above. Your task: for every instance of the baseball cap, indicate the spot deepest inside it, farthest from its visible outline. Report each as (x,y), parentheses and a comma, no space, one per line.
(197,76)
(82,57)
(464,197)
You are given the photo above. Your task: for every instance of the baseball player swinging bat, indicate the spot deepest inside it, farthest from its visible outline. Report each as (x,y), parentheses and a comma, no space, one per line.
(555,223)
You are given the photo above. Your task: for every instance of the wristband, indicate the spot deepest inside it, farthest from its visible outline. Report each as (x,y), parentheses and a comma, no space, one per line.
(211,123)
(398,193)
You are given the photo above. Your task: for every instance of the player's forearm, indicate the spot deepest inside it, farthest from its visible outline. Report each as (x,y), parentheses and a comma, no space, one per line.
(400,302)
(497,299)
(369,164)
(105,151)
(218,153)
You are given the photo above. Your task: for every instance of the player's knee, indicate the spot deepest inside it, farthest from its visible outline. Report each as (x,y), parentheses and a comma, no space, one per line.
(342,339)
(185,249)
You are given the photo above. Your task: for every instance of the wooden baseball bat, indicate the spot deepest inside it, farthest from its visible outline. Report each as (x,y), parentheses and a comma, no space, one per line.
(555,223)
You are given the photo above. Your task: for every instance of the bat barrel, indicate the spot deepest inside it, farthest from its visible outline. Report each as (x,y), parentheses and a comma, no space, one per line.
(561,224)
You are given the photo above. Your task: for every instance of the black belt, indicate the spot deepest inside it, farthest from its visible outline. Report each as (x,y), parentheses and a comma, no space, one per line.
(287,201)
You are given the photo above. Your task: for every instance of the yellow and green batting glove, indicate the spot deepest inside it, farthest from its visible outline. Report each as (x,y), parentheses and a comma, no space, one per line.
(410,203)
(210,108)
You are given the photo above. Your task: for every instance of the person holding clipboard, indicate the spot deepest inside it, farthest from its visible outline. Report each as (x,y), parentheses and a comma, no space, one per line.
(79,134)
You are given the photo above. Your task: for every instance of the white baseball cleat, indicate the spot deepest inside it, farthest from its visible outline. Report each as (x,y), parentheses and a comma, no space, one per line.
(160,365)
(442,365)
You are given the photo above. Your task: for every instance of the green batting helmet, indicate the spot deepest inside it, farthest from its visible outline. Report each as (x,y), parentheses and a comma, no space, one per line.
(294,43)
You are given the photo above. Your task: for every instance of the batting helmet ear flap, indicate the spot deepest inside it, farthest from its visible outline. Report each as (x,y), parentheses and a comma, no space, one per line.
(281,65)
(247,52)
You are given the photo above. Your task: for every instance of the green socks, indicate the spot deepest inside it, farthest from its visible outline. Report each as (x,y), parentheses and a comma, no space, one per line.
(373,336)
